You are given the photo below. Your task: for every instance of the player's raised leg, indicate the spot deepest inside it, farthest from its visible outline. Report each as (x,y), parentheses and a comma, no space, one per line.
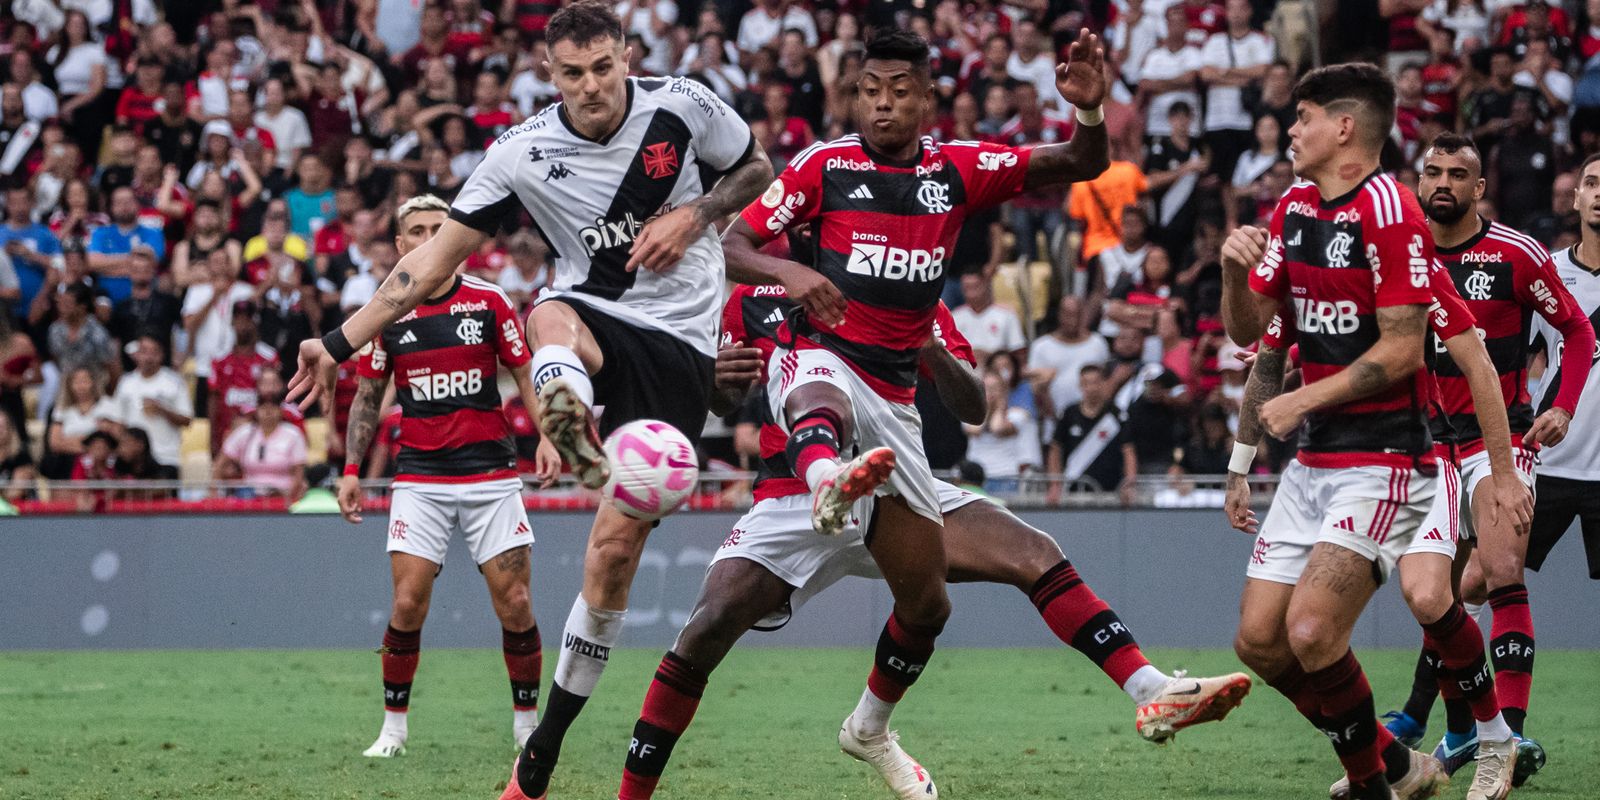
(986,543)
(402,641)
(565,354)
(507,577)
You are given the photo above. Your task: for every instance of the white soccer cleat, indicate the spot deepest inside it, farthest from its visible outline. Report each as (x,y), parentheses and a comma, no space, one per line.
(1190,701)
(1495,763)
(830,506)
(906,778)
(389,745)
(1426,778)
(569,425)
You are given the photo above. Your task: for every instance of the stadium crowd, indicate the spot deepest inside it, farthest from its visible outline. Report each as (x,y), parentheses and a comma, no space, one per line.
(192,188)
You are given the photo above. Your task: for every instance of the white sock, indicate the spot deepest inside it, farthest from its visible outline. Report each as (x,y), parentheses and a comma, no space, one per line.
(525,720)
(871,717)
(1477,611)
(1495,730)
(821,470)
(555,361)
(586,646)
(394,722)
(1146,684)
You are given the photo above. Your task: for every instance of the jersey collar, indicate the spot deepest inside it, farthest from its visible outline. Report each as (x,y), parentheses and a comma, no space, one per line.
(1344,199)
(455,286)
(880,158)
(1471,242)
(1572,253)
(561,113)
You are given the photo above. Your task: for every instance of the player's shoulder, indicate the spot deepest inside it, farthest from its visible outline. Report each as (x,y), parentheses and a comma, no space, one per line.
(526,131)
(1516,244)
(684,97)
(1382,201)
(473,287)
(845,152)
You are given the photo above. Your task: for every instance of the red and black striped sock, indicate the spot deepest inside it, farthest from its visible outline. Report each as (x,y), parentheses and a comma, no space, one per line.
(399,655)
(1459,644)
(902,655)
(814,437)
(1350,720)
(669,707)
(1511,650)
(1077,616)
(524,663)
(1294,684)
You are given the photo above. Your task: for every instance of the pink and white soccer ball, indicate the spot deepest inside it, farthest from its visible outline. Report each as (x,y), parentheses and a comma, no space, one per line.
(653,469)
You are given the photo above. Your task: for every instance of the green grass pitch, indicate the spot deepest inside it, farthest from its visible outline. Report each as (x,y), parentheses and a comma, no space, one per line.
(996,724)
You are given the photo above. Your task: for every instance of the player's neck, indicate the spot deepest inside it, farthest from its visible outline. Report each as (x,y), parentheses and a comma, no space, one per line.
(1589,250)
(1447,237)
(1346,173)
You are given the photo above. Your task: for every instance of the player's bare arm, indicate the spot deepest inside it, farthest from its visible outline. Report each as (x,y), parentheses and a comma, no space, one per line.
(1245,313)
(662,242)
(1081,82)
(737,370)
(415,278)
(959,387)
(1395,356)
(815,293)
(365,411)
(1509,495)
(1264,384)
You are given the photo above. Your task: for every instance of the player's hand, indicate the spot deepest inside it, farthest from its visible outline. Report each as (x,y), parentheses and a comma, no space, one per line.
(660,245)
(1550,428)
(1244,248)
(1082,80)
(1282,415)
(1237,505)
(738,367)
(315,376)
(1511,502)
(822,300)
(1245,357)
(546,464)
(350,498)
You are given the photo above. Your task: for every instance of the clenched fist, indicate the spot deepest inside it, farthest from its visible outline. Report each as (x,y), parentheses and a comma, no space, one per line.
(1244,248)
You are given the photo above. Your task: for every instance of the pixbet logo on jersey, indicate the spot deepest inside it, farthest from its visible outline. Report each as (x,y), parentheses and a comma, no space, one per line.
(893,263)
(606,233)
(445,385)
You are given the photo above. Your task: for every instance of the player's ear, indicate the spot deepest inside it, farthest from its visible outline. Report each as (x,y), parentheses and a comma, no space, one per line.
(1479,188)
(627,56)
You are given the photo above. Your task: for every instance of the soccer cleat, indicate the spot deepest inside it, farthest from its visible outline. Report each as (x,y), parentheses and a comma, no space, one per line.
(1455,759)
(1495,763)
(830,507)
(389,745)
(1426,777)
(1190,701)
(1406,730)
(513,791)
(569,425)
(905,776)
(1530,759)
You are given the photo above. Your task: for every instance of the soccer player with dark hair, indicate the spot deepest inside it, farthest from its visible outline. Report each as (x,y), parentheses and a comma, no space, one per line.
(1507,279)
(1347,261)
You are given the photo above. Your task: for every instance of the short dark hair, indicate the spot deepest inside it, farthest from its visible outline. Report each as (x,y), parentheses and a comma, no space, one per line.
(900,45)
(1364,87)
(1593,157)
(583,22)
(1180,107)
(1098,369)
(1452,143)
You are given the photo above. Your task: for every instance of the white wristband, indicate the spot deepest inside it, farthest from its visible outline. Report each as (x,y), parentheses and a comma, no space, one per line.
(1244,457)
(1092,116)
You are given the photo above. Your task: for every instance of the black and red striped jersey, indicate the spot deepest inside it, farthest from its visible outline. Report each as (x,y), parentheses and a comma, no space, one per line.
(444,357)
(1332,263)
(752,316)
(1505,278)
(884,232)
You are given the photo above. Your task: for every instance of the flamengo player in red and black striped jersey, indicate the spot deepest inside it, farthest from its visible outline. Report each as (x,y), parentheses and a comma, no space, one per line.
(456,470)
(887,205)
(1506,278)
(1347,261)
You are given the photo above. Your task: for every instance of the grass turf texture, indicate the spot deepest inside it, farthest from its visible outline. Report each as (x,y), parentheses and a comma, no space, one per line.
(988,723)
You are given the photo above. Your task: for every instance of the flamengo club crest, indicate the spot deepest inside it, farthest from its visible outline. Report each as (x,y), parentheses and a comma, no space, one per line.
(935,196)
(1479,284)
(470,331)
(660,160)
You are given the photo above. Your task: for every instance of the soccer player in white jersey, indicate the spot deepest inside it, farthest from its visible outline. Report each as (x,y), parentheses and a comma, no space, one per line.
(618,178)
(1568,485)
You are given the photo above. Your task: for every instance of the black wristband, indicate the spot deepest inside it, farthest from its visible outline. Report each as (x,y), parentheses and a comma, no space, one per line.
(338,346)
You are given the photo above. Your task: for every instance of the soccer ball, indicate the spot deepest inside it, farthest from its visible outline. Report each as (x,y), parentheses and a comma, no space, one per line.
(653,469)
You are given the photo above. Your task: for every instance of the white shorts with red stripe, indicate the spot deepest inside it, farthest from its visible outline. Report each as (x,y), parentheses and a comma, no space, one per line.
(489,515)
(1441,529)
(1374,511)
(879,422)
(1475,468)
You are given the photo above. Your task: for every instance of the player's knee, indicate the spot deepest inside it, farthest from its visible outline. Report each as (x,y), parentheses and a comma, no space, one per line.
(611,562)
(408,611)
(513,603)
(1035,556)
(929,609)
(710,633)
(1316,640)
(1501,566)
(1428,600)
(1261,651)
(552,324)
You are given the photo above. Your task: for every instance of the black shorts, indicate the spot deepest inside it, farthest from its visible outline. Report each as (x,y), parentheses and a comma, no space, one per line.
(1557,502)
(646,374)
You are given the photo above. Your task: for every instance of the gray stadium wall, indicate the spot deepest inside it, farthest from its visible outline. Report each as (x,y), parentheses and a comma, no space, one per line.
(316,581)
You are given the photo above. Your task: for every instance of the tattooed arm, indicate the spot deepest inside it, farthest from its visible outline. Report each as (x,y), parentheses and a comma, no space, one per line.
(364,416)
(664,240)
(1265,382)
(1396,356)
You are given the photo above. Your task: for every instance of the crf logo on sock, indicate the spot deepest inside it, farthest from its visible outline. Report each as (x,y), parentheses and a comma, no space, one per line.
(1341,737)
(1105,634)
(527,697)
(640,749)
(396,697)
(584,647)
(899,664)
(1474,682)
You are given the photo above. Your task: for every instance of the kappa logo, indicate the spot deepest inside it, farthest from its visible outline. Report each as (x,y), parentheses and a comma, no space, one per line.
(1338,251)
(861,193)
(1479,285)
(470,331)
(557,171)
(934,196)
(994,162)
(660,160)
(410,337)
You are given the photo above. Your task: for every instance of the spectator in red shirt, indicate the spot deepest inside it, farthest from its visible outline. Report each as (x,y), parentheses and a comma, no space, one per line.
(1441,76)
(470,25)
(1205,18)
(433,43)
(140,103)
(781,135)
(234,376)
(242,120)
(332,112)
(490,111)
(1039,210)
(334,235)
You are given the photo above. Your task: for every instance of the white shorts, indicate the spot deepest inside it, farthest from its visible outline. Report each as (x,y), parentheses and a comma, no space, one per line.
(1475,468)
(1441,529)
(878,422)
(489,515)
(1374,511)
(777,534)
